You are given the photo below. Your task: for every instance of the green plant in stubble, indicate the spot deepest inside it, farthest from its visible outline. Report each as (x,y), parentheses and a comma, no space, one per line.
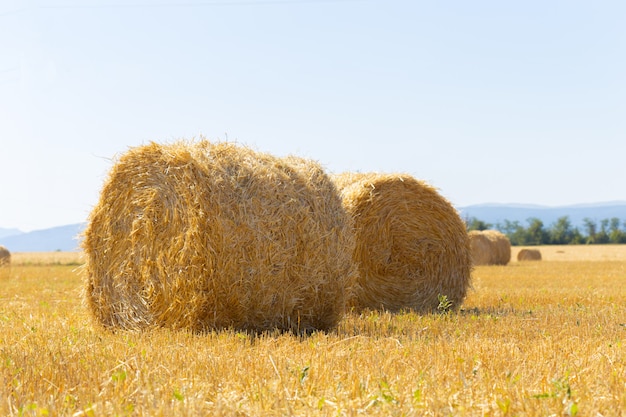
(445,305)
(563,390)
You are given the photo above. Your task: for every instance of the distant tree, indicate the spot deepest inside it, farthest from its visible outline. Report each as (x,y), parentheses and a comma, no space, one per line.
(591,228)
(474,224)
(616,235)
(508,227)
(577,237)
(602,236)
(514,231)
(536,235)
(561,231)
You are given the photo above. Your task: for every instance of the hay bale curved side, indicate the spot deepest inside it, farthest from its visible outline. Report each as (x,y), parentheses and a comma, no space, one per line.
(208,236)
(489,247)
(529,255)
(501,245)
(480,247)
(5,256)
(411,244)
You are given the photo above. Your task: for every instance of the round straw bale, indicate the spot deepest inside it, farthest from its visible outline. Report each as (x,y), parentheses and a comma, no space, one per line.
(5,256)
(411,244)
(207,236)
(489,247)
(529,255)
(480,247)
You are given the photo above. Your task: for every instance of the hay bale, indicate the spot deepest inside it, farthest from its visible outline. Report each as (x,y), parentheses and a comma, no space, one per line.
(5,263)
(411,244)
(5,256)
(480,247)
(208,236)
(529,255)
(489,247)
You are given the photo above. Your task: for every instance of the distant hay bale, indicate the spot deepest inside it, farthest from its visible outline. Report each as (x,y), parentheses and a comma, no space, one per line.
(5,262)
(411,244)
(529,255)
(5,256)
(489,247)
(207,236)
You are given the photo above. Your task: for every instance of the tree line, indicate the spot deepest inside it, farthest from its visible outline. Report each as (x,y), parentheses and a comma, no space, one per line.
(561,232)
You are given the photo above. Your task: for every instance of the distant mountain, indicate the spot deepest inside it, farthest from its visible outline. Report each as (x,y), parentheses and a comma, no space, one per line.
(9,232)
(62,238)
(498,213)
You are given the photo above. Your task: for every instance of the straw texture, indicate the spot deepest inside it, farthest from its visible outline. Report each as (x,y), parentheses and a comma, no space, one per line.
(411,244)
(489,247)
(208,236)
(529,255)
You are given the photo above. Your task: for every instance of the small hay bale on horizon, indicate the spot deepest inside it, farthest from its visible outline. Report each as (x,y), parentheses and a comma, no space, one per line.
(5,256)
(411,244)
(5,262)
(489,247)
(213,236)
(529,255)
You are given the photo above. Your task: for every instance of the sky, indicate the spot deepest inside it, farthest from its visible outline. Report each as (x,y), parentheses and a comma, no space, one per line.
(488,101)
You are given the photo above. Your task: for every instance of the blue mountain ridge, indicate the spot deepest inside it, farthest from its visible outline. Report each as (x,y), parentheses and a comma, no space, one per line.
(61,238)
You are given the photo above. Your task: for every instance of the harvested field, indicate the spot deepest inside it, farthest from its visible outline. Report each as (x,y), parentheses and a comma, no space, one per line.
(48,258)
(532,338)
(576,252)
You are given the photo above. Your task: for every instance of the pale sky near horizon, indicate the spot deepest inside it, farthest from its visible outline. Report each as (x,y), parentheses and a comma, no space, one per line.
(488,101)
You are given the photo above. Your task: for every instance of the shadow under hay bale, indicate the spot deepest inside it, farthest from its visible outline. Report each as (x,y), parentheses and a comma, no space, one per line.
(529,255)
(489,247)
(411,244)
(208,236)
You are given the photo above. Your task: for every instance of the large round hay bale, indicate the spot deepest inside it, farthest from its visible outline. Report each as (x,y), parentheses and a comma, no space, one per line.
(208,236)
(411,244)
(489,247)
(5,256)
(529,255)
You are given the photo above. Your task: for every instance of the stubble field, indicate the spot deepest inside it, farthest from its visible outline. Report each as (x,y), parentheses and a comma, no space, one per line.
(534,338)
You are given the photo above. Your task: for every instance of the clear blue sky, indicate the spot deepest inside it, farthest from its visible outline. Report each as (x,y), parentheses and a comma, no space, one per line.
(489,101)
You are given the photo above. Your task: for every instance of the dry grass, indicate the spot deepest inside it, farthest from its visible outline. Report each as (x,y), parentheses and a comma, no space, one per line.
(534,338)
(48,258)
